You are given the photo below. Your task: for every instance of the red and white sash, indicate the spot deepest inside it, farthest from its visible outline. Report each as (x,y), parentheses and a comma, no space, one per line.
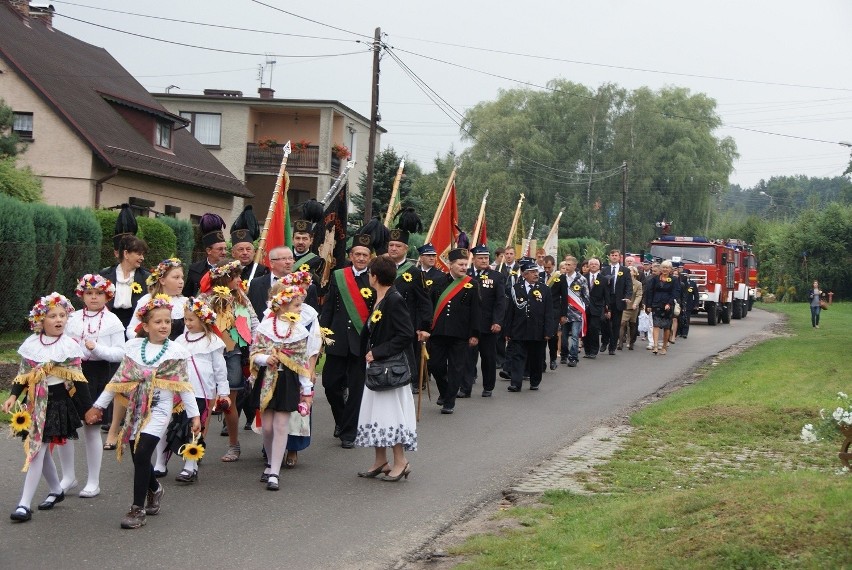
(577,302)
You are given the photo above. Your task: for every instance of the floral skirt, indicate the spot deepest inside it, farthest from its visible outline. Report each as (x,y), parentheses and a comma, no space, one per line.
(387,418)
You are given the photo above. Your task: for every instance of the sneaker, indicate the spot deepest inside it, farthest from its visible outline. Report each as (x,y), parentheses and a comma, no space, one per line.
(152,501)
(134,518)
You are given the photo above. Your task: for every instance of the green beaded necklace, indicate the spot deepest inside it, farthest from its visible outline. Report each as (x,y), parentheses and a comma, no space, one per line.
(159,354)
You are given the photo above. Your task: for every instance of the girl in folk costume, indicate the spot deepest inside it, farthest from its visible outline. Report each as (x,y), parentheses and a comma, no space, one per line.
(298,438)
(56,396)
(222,289)
(165,279)
(153,371)
(288,351)
(100,335)
(207,374)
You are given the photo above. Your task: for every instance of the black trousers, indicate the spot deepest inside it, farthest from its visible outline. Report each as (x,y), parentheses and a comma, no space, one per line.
(501,352)
(486,350)
(527,353)
(143,470)
(342,374)
(447,359)
(683,323)
(613,326)
(553,347)
(592,340)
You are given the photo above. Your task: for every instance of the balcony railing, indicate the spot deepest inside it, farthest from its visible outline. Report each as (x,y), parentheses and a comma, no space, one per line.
(268,159)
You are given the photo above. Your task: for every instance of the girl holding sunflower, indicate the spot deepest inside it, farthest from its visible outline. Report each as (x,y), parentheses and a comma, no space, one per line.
(56,396)
(100,335)
(222,289)
(152,375)
(288,350)
(207,374)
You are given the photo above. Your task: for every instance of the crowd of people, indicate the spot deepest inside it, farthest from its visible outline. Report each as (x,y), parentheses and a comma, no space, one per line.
(151,355)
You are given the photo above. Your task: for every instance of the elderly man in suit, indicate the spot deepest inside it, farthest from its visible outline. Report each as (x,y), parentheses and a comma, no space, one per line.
(281,261)
(596,309)
(620,286)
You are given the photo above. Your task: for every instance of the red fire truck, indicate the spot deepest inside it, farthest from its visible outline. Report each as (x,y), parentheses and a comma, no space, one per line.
(721,270)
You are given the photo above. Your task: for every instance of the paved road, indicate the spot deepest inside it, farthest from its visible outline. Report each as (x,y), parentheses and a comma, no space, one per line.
(325,516)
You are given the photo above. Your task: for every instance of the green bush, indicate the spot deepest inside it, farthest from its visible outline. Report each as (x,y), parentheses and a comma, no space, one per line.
(106,219)
(160,238)
(20,183)
(185,236)
(51,231)
(17,261)
(83,251)
(581,248)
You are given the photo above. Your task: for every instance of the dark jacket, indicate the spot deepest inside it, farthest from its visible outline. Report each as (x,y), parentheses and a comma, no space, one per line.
(259,272)
(335,317)
(139,277)
(413,290)
(623,287)
(193,278)
(460,317)
(492,298)
(530,317)
(599,295)
(660,293)
(258,294)
(393,333)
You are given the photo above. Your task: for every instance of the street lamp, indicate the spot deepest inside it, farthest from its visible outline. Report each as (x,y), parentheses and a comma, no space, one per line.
(771,201)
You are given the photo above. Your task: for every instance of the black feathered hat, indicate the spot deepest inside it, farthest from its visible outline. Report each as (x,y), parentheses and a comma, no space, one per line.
(379,234)
(363,240)
(212,229)
(410,221)
(312,211)
(303,227)
(125,225)
(245,228)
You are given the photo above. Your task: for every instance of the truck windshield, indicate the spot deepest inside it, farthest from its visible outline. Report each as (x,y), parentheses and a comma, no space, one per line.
(685,253)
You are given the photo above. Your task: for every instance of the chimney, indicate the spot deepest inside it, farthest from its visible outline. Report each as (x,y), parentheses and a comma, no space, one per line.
(21,6)
(42,11)
(266,92)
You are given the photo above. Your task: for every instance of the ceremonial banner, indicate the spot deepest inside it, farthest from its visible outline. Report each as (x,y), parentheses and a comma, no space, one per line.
(446,230)
(330,234)
(280,229)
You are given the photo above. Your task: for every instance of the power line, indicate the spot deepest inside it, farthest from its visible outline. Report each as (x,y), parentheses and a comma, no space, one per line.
(219,50)
(277,9)
(624,67)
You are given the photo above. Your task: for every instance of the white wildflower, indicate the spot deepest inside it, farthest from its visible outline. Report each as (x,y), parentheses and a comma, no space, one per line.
(842,396)
(808,435)
(838,414)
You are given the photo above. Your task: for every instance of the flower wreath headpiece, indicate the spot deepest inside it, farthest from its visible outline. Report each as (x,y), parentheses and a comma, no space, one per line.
(160,301)
(162,268)
(299,278)
(43,306)
(217,272)
(202,310)
(96,282)
(285,296)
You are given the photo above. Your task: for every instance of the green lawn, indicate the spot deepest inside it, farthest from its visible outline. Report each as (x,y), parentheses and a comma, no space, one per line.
(714,476)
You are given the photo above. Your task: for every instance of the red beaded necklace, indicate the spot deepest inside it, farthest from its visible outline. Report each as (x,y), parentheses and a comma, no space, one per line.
(41,340)
(100,321)
(186,336)
(275,329)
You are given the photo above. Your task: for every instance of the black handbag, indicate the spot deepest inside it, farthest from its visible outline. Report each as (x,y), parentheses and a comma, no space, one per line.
(389,373)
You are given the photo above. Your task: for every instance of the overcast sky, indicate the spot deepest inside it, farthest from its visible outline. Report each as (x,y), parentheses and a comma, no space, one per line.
(748,47)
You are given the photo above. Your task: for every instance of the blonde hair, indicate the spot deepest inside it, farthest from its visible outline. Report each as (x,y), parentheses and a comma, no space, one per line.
(666,264)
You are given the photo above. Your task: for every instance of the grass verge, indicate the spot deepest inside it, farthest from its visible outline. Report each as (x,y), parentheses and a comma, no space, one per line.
(714,476)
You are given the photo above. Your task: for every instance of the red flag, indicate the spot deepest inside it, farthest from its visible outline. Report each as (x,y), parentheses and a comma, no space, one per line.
(482,238)
(280,231)
(446,231)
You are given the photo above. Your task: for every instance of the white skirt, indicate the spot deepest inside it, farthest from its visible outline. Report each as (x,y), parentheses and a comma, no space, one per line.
(387,418)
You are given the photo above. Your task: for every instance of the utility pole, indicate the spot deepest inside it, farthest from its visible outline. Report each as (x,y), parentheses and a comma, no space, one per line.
(624,208)
(374,119)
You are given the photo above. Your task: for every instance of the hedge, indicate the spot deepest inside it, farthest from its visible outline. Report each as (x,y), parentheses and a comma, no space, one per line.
(51,231)
(17,262)
(185,237)
(159,237)
(83,251)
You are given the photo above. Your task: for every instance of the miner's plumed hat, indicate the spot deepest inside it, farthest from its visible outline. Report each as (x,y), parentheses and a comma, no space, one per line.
(302,227)
(245,228)
(399,235)
(125,225)
(458,253)
(212,228)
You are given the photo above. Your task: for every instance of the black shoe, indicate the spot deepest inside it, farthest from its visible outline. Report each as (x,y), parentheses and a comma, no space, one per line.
(592,356)
(224,432)
(463,394)
(51,500)
(486,393)
(533,388)
(513,389)
(506,375)
(346,444)
(553,365)
(447,410)
(440,401)
(415,390)
(159,474)
(612,353)
(247,427)
(563,361)
(272,482)
(21,517)
(572,364)
(336,431)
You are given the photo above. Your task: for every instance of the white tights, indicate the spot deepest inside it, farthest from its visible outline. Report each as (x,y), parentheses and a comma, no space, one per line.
(41,465)
(94,458)
(161,455)
(275,426)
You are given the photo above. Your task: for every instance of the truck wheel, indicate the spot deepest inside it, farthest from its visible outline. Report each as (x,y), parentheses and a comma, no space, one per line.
(737,311)
(750,303)
(712,317)
(726,313)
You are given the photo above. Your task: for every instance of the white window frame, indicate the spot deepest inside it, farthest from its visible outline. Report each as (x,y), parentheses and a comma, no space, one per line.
(198,131)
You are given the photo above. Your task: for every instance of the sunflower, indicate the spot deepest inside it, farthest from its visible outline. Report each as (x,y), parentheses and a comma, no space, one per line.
(537,294)
(377,316)
(21,421)
(576,287)
(292,317)
(245,284)
(304,267)
(620,273)
(366,292)
(326,331)
(136,288)
(667,279)
(192,452)
(222,291)
(689,290)
(484,276)
(407,277)
(468,285)
(555,280)
(429,282)
(597,282)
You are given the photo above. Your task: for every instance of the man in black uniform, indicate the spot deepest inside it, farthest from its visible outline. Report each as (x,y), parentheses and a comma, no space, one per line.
(553,279)
(530,322)
(455,327)
(621,293)
(244,231)
(345,311)
(303,239)
(690,300)
(492,303)
(596,309)
(510,270)
(213,239)
(428,261)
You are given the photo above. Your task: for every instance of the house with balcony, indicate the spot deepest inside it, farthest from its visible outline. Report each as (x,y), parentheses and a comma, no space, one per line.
(247,135)
(93,134)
